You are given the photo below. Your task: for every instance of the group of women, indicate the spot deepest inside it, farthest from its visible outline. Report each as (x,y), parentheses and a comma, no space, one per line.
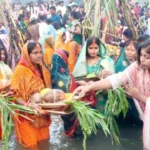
(59,67)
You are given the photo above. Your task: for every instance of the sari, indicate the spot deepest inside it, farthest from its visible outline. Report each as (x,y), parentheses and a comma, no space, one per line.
(122,62)
(62,79)
(48,50)
(82,69)
(76,37)
(72,47)
(137,77)
(104,62)
(5,71)
(25,82)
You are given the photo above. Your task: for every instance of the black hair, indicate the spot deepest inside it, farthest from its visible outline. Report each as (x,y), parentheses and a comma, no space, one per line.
(56,25)
(49,21)
(5,53)
(128,33)
(69,8)
(135,44)
(145,44)
(74,14)
(42,17)
(33,22)
(20,17)
(67,54)
(143,37)
(31,45)
(90,41)
(74,5)
(53,8)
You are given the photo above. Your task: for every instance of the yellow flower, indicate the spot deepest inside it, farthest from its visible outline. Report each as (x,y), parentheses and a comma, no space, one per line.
(60,83)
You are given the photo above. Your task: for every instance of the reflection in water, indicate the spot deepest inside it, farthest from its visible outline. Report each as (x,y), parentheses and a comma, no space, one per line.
(130,139)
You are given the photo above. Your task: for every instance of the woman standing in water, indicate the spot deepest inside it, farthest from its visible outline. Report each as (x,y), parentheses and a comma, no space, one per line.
(93,62)
(62,79)
(30,76)
(127,57)
(136,81)
(5,73)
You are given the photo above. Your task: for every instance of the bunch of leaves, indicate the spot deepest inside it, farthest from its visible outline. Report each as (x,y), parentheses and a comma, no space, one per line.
(116,104)
(89,119)
(8,111)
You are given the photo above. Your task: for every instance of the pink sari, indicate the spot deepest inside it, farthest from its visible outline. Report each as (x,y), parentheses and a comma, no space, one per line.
(139,78)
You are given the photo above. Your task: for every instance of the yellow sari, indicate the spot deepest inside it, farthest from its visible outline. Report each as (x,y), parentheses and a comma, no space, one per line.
(72,47)
(48,50)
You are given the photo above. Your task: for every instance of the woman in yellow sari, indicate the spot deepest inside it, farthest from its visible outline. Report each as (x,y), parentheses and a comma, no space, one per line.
(48,50)
(72,47)
(30,76)
(5,73)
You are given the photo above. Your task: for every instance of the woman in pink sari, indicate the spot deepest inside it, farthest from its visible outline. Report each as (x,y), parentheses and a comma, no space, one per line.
(136,81)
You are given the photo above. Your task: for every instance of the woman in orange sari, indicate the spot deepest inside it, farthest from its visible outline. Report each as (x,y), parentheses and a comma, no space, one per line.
(30,76)
(72,47)
(48,50)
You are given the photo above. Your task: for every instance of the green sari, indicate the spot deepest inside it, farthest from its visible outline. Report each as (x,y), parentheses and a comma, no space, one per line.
(132,114)
(122,62)
(82,69)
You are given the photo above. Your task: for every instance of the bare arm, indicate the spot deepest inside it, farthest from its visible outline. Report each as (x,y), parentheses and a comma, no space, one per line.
(99,85)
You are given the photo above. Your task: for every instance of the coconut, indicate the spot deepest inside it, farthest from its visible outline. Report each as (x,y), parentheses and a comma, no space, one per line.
(51,96)
(35,98)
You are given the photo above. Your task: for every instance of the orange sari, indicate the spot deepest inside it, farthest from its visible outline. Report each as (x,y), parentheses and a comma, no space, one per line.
(25,82)
(48,50)
(72,47)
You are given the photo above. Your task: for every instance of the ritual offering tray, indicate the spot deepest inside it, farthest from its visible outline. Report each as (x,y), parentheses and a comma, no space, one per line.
(52,105)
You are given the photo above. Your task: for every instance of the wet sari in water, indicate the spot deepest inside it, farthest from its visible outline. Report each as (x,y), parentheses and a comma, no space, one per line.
(25,82)
(62,79)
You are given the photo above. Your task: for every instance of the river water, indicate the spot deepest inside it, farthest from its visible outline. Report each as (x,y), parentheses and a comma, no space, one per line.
(130,137)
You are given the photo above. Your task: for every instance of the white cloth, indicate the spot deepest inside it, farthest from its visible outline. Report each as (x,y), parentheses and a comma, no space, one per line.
(42,29)
(148,28)
(62,9)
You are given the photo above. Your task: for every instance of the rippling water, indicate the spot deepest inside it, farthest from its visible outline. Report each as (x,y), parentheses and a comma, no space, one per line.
(131,136)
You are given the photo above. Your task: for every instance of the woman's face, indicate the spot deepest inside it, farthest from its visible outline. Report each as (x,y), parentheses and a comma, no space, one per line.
(2,55)
(145,59)
(36,56)
(130,52)
(93,49)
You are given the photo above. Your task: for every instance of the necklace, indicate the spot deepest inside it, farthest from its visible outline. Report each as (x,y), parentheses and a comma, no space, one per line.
(92,61)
